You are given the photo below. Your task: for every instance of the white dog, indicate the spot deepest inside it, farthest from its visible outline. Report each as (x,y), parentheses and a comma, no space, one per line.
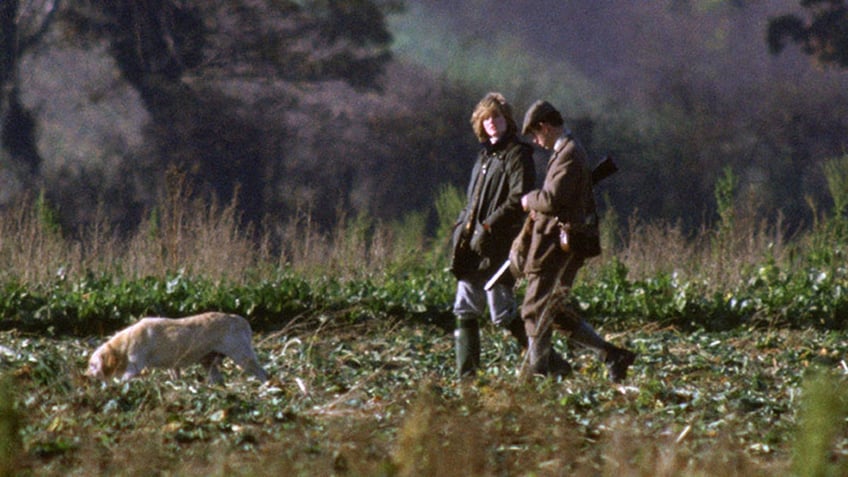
(174,343)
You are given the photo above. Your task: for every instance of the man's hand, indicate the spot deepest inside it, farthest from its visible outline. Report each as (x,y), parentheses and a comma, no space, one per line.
(525,207)
(480,239)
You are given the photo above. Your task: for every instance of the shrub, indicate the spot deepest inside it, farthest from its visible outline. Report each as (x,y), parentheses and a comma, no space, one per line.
(824,411)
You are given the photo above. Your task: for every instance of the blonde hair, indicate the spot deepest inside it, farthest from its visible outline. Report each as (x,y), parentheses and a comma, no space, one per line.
(491,104)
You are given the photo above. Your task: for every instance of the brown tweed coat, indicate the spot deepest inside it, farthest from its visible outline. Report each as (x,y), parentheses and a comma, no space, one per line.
(566,195)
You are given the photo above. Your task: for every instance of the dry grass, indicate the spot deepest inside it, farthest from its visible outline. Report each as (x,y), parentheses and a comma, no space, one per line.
(199,239)
(195,238)
(709,256)
(29,250)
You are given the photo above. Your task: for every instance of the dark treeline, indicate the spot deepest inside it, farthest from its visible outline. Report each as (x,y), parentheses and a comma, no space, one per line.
(294,108)
(326,109)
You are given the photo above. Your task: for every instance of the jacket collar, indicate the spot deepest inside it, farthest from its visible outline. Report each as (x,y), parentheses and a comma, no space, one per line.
(502,143)
(562,141)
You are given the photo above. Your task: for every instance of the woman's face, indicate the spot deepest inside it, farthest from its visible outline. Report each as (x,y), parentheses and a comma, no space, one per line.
(495,126)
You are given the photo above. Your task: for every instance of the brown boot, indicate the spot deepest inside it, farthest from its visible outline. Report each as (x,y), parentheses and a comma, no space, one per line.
(547,362)
(516,329)
(558,365)
(617,360)
(539,354)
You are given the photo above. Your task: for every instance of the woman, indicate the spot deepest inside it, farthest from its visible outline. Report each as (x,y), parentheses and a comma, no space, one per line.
(503,172)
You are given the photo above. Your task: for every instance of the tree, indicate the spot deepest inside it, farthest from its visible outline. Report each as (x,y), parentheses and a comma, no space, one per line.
(208,70)
(21,27)
(824,35)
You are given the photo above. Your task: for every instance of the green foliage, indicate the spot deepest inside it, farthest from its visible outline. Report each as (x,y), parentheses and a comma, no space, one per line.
(609,226)
(825,246)
(809,297)
(771,295)
(48,216)
(664,300)
(725,191)
(836,174)
(824,412)
(97,304)
(449,202)
(410,232)
(724,195)
(154,225)
(355,236)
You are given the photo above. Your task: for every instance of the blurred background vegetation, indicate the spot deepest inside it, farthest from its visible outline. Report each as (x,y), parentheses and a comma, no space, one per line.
(314,112)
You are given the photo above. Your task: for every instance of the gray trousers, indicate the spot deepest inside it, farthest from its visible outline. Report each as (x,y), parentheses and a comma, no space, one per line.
(472,300)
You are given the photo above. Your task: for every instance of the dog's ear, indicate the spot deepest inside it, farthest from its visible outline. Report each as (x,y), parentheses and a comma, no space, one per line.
(109,361)
(119,361)
(106,363)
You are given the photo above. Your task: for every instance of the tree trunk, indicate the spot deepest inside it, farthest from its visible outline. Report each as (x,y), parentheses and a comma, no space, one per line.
(8,53)
(17,126)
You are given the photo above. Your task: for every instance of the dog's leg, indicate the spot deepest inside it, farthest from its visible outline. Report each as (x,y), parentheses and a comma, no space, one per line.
(215,375)
(252,366)
(255,369)
(238,346)
(131,372)
(210,363)
(246,359)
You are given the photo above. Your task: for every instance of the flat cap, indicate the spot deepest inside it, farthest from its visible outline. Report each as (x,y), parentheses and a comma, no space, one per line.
(540,111)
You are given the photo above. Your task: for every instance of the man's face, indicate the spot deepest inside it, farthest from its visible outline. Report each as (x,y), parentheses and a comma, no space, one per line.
(544,136)
(494,125)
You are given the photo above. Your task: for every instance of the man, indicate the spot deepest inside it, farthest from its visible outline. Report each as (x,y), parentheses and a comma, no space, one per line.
(565,197)
(503,172)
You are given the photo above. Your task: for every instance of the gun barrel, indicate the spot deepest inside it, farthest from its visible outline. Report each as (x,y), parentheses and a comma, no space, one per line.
(497,276)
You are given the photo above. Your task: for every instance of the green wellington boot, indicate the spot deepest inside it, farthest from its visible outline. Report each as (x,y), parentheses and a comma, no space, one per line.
(467,337)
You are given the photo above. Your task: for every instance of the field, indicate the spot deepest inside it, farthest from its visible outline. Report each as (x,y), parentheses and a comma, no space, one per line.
(380,398)
(741,369)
